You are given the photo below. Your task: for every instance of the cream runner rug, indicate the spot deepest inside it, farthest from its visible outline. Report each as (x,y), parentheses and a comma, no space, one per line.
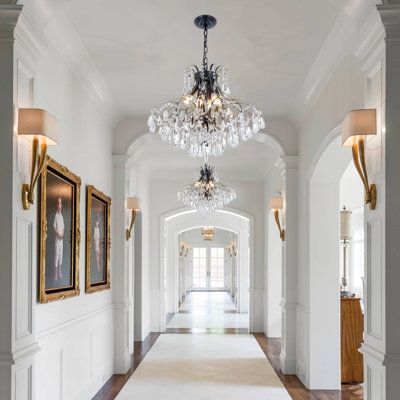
(197,366)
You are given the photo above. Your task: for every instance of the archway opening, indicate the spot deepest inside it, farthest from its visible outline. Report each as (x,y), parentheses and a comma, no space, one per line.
(334,184)
(208,283)
(217,271)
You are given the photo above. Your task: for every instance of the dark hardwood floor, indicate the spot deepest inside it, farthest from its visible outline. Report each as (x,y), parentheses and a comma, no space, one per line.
(296,389)
(114,385)
(271,348)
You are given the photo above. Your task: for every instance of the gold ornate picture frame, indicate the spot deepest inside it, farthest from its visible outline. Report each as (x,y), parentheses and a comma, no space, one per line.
(59,233)
(98,240)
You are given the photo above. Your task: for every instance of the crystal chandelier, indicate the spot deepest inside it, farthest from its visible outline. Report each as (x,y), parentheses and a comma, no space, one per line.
(206,194)
(208,233)
(205,119)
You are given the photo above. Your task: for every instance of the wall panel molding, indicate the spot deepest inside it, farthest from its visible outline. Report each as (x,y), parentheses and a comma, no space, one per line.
(73,321)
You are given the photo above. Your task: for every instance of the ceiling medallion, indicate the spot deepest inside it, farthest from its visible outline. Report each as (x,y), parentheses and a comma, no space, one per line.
(206,194)
(206,118)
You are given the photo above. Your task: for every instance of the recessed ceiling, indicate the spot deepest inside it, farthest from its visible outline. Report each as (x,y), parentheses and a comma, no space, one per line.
(142,47)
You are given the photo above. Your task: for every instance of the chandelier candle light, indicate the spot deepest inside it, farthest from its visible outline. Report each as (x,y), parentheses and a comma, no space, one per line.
(206,194)
(205,119)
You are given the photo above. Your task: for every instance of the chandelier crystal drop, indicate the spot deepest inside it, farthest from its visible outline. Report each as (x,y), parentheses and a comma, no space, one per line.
(206,194)
(206,118)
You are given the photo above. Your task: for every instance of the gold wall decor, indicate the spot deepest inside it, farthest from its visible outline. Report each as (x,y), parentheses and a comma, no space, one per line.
(98,240)
(59,233)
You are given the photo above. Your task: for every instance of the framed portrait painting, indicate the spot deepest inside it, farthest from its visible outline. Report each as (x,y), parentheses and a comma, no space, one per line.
(98,241)
(59,233)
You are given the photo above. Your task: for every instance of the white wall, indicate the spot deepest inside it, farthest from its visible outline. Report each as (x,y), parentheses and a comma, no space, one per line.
(274,280)
(273,245)
(75,336)
(343,92)
(352,196)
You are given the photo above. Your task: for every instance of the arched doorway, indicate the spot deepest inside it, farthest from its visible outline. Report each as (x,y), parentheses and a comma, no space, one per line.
(178,221)
(330,187)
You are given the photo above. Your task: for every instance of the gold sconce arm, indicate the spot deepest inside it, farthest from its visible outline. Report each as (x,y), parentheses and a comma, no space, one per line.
(358,150)
(38,163)
(281,231)
(186,252)
(232,249)
(128,232)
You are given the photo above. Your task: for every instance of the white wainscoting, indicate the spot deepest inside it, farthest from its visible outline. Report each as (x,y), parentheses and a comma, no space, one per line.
(76,357)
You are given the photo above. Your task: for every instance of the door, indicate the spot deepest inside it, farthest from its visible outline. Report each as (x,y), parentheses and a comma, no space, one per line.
(208,268)
(200,270)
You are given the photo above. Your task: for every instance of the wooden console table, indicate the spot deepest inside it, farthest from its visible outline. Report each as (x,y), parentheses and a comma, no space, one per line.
(351,338)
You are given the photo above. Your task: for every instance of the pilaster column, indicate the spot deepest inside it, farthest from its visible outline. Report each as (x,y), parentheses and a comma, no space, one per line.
(121,269)
(11,358)
(288,168)
(382,345)
(380,53)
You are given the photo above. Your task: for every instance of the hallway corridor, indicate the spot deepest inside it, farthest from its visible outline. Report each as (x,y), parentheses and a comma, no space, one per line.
(208,312)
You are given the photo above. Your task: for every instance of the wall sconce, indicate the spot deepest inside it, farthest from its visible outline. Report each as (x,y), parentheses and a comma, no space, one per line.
(357,125)
(184,248)
(134,204)
(41,128)
(276,204)
(232,248)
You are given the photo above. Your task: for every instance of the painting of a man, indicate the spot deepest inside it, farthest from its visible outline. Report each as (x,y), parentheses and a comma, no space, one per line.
(58,240)
(59,233)
(59,217)
(98,251)
(97,240)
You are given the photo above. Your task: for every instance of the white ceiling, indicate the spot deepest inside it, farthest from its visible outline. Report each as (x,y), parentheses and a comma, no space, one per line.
(142,47)
(133,54)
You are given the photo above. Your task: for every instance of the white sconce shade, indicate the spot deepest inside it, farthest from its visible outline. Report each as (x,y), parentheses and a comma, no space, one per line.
(134,203)
(276,203)
(34,123)
(358,123)
(345,225)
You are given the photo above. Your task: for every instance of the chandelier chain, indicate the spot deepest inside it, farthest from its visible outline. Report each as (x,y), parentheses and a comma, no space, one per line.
(205,51)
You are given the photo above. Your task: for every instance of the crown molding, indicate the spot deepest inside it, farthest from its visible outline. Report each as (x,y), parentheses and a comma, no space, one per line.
(120,160)
(286,162)
(371,34)
(339,41)
(30,40)
(390,15)
(60,38)
(9,15)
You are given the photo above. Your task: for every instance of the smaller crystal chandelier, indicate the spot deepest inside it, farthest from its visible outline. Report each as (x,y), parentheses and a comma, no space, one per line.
(206,194)
(206,118)
(208,233)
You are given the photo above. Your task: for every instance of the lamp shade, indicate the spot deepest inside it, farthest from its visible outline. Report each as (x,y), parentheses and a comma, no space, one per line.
(134,203)
(34,123)
(358,123)
(276,203)
(345,224)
